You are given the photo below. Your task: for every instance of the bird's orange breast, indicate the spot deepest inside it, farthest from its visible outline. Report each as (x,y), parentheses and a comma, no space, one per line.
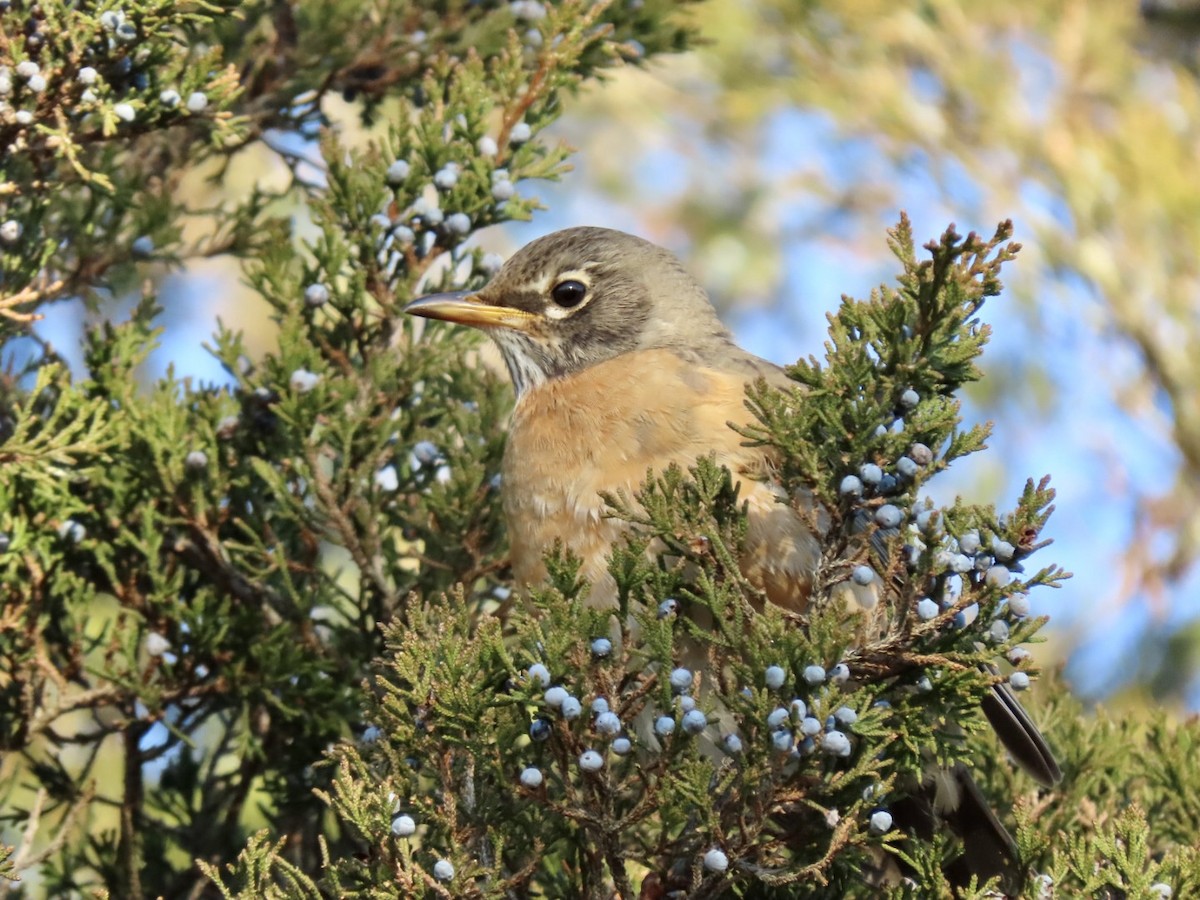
(601,429)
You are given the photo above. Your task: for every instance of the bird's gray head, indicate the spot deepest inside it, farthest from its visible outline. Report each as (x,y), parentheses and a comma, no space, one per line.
(579,297)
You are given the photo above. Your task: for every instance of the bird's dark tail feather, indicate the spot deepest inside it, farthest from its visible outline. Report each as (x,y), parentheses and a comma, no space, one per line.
(988,849)
(1019,735)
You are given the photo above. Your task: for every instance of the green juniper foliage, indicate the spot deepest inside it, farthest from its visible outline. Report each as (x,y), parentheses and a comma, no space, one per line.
(257,640)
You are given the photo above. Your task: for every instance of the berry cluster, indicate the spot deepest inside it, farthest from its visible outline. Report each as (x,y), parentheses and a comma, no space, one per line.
(606,724)
(821,720)
(964,562)
(115,79)
(970,569)
(872,480)
(431,209)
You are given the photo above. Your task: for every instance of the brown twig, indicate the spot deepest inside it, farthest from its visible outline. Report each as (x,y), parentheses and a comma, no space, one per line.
(25,858)
(29,294)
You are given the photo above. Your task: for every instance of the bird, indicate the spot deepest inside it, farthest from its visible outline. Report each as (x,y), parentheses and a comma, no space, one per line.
(622,366)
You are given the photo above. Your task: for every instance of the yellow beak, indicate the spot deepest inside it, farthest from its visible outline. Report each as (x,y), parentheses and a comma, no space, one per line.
(465,308)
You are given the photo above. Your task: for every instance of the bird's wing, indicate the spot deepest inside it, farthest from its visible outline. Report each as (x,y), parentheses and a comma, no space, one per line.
(733,359)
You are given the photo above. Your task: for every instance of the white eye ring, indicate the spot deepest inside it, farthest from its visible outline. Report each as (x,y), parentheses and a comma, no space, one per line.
(564,303)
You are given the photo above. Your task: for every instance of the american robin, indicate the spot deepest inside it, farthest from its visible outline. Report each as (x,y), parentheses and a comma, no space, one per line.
(620,366)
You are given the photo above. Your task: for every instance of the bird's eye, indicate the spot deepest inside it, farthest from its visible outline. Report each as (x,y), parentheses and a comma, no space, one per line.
(568,294)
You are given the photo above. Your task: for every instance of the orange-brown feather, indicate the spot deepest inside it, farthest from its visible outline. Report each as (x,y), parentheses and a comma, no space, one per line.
(602,429)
